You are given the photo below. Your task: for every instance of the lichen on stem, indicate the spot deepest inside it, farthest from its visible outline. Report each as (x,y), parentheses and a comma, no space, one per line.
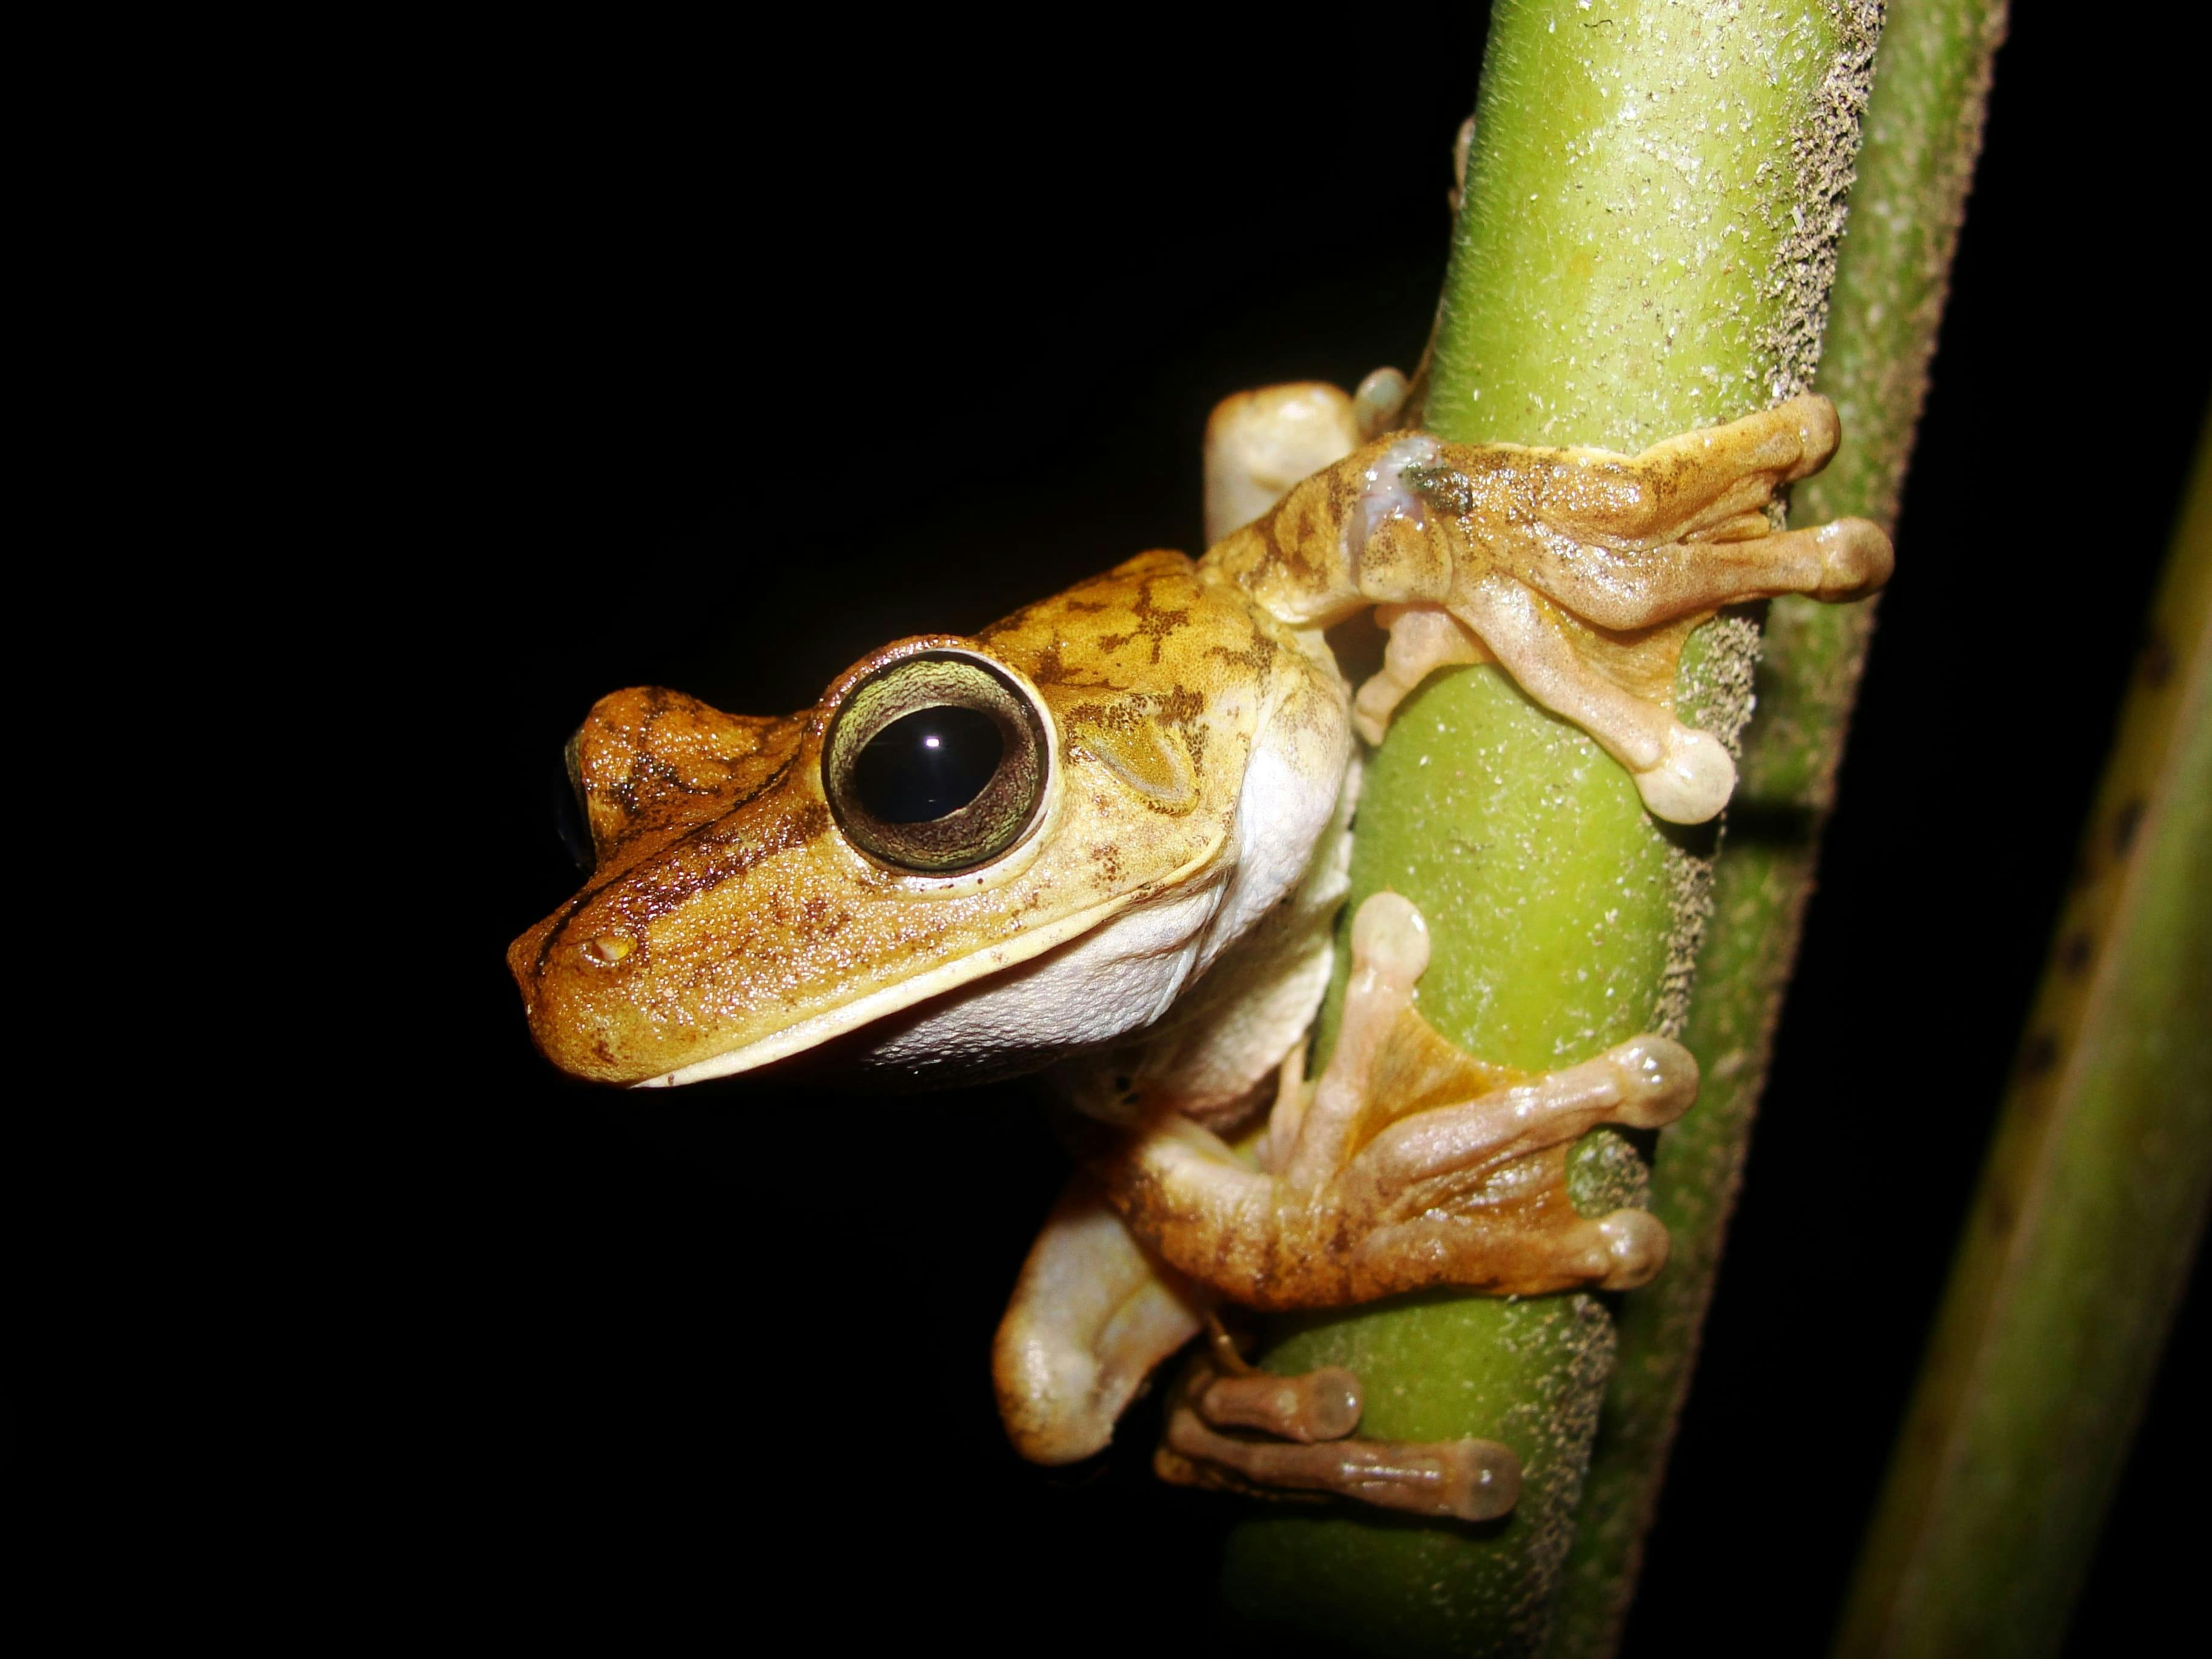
(1652,204)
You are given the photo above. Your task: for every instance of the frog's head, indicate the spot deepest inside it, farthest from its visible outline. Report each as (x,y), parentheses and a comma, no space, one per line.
(952,808)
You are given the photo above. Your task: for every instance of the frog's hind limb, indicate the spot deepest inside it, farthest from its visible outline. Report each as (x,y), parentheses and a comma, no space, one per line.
(1579,570)
(1470,1479)
(1259,443)
(1091,1316)
(1094,1314)
(1228,1391)
(1408,1165)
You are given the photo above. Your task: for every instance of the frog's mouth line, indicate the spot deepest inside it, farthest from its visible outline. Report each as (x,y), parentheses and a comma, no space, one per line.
(891,999)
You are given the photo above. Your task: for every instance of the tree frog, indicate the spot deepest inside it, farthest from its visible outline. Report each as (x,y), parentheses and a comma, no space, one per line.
(1108,836)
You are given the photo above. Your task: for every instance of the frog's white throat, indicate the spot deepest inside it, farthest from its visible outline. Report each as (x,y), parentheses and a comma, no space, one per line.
(1125,973)
(942,979)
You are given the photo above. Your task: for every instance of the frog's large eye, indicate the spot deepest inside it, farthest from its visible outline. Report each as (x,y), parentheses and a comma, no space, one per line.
(936,764)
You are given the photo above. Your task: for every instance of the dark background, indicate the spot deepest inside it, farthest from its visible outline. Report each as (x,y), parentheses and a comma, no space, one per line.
(716,363)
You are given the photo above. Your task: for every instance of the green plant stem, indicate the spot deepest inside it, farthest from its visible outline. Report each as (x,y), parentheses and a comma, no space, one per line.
(2091,1206)
(1924,126)
(1651,208)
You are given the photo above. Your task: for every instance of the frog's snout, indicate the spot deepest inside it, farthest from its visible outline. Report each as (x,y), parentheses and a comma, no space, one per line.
(570,1019)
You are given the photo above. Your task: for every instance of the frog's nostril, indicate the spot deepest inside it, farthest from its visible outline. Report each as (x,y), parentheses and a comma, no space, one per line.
(608,949)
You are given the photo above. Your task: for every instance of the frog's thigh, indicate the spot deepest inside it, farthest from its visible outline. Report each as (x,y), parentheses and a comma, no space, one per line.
(1683,774)
(1833,563)
(1259,443)
(1091,1316)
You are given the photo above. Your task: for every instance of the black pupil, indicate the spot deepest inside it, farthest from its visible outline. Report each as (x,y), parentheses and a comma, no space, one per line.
(928,764)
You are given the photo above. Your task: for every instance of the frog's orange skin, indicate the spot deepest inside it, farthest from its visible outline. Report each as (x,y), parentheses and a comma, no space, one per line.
(749,928)
(1163,914)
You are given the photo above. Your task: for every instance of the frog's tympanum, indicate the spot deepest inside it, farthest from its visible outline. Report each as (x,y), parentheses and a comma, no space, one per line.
(1109,835)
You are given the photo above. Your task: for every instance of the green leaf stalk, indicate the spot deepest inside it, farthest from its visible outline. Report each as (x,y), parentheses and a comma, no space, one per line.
(1922,133)
(2091,1206)
(1649,220)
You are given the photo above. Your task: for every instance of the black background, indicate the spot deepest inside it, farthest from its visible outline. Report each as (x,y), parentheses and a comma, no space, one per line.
(716,363)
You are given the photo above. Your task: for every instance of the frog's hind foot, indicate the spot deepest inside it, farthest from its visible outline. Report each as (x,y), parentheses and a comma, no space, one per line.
(1324,1404)
(1233,1428)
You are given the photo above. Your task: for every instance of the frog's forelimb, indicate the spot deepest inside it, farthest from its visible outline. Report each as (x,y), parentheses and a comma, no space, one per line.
(1408,1164)
(1579,570)
(1422,638)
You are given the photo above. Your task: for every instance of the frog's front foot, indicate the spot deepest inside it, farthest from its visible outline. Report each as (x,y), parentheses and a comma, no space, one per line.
(1232,1427)
(1408,1165)
(1581,574)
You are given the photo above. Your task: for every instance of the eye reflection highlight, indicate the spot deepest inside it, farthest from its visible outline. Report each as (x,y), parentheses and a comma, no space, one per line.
(927,764)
